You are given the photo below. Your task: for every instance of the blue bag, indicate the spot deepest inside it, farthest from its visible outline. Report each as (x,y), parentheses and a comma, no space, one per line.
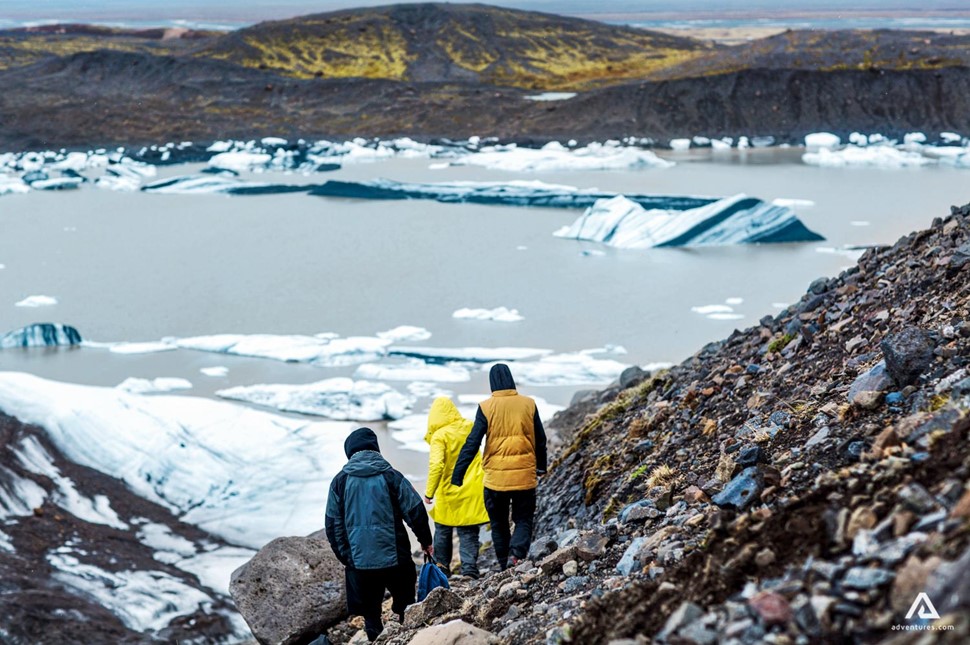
(430,578)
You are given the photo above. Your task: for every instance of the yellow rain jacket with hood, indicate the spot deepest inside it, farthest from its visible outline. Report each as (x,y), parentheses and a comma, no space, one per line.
(453,505)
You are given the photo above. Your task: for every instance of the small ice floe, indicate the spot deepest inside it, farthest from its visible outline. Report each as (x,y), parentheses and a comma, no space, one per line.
(680,144)
(622,223)
(10,185)
(467,403)
(720,312)
(499,314)
(822,140)
(152,347)
(37,301)
(342,399)
(58,183)
(552,96)
(880,156)
(721,145)
(579,368)
(240,161)
(154,386)
(405,333)
(518,248)
(859,223)
(41,335)
(323,349)
(426,389)
(413,370)
(592,253)
(143,600)
(791,202)
(409,431)
(851,252)
(554,156)
(438,355)
(119,184)
(215,371)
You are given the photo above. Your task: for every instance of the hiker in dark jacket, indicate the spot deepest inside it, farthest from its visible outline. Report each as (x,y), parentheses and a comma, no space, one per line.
(515,453)
(367,503)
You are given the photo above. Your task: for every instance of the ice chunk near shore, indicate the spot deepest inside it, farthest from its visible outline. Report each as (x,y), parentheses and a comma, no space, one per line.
(680,144)
(554,156)
(245,475)
(499,314)
(740,219)
(142,348)
(578,368)
(240,161)
(57,183)
(551,96)
(215,371)
(438,355)
(413,370)
(41,335)
(37,301)
(341,399)
(323,349)
(154,386)
(822,140)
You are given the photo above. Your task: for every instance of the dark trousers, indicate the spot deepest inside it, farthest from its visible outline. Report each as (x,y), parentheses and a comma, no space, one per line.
(365,593)
(523,505)
(468,547)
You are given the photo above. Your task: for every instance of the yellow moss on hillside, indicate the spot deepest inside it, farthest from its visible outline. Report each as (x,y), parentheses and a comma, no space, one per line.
(24,50)
(372,52)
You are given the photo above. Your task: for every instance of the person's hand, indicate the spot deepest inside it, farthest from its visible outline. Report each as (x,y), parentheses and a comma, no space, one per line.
(429,550)
(427,500)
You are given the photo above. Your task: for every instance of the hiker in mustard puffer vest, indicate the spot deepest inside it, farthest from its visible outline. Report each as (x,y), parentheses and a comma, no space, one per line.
(515,453)
(461,508)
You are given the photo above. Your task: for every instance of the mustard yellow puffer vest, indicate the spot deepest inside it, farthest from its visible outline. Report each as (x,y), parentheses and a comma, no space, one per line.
(453,505)
(510,441)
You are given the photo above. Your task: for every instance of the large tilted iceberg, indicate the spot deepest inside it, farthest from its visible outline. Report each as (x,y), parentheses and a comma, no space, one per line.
(622,223)
(245,475)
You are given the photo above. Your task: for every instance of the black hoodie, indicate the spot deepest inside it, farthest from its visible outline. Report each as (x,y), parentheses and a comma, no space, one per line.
(500,378)
(361,439)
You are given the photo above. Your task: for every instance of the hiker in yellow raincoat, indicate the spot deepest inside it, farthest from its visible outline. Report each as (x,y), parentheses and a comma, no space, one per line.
(455,507)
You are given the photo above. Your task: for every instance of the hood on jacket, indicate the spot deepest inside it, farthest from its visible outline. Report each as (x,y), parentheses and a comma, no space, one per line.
(443,413)
(366,463)
(361,439)
(500,378)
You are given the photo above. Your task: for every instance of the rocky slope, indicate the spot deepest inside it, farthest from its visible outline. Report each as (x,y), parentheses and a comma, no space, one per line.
(801,481)
(439,70)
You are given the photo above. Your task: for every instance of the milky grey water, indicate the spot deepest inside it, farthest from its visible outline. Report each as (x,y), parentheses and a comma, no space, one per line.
(137,267)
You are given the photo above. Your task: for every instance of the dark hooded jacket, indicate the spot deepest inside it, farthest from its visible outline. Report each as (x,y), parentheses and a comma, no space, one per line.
(515,441)
(368,504)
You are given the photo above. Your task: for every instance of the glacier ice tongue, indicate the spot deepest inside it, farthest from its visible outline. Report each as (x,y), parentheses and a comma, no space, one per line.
(244,475)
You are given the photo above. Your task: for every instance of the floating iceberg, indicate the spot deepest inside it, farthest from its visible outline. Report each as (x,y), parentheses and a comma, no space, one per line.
(215,371)
(217,184)
(508,193)
(622,223)
(57,183)
(499,314)
(579,368)
(554,156)
(413,370)
(822,140)
(551,96)
(342,399)
(141,348)
(37,301)
(323,349)
(405,333)
(41,335)
(154,386)
(240,161)
(244,475)
(10,185)
(881,156)
(436,355)
(680,144)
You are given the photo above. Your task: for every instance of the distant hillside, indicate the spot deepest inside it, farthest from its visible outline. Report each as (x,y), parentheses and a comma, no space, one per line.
(443,42)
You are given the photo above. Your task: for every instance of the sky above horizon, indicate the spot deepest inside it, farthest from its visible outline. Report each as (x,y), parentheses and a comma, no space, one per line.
(255,10)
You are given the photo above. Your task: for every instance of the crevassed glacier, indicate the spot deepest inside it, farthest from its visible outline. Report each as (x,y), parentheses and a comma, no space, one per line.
(245,475)
(740,219)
